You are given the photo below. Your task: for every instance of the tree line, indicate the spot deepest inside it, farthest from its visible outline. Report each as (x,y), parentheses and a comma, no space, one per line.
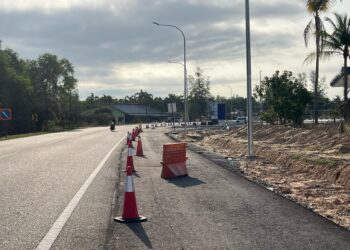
(282,98)
(43,96)
(40,92)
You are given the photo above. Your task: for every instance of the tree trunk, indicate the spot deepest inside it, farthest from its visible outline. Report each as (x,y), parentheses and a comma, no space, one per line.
(317,22)
(346,104)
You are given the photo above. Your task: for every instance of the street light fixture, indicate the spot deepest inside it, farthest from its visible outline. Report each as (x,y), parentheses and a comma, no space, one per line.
(185,69)
(177,63)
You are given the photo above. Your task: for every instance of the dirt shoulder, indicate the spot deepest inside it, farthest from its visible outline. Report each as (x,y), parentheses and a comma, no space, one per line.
(309,166)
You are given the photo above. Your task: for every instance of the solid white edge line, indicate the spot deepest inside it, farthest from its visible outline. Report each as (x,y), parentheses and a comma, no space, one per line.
(7,155)
(55,230)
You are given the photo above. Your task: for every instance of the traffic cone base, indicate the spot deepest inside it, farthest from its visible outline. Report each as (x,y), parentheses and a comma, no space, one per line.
(121,220)
(134,171)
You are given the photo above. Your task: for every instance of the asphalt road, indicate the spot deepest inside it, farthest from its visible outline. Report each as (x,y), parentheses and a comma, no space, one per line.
(212,208)
(39,177)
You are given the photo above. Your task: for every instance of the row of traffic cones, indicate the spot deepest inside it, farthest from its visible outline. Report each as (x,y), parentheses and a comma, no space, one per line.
(130,137)
(130,212)
(139,152)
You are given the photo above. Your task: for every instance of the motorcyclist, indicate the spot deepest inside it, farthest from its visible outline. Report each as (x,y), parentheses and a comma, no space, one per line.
(112,127)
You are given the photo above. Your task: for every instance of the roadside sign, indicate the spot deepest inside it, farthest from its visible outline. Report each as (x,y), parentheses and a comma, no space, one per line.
(221,111)
(5,114)
(172,107)
(213,110)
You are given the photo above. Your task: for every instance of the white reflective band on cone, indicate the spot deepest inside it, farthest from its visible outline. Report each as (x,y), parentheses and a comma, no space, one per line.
(129,151)
(129,185)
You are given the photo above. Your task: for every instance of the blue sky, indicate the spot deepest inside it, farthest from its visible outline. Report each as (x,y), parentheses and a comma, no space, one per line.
(116,50)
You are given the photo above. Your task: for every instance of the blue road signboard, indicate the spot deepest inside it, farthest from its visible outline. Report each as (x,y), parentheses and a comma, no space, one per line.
(5,114)
(221,111)
(217,111)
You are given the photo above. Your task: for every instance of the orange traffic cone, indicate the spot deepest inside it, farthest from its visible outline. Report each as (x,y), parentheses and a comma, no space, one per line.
(127,138)
(130,160)
(133,135)
(130,213)
(139,151)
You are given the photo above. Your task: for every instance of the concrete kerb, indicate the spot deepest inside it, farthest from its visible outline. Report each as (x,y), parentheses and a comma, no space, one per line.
(233,166)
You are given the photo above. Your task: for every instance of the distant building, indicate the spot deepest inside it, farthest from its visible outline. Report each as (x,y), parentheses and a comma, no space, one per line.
(135,113)
(338,81)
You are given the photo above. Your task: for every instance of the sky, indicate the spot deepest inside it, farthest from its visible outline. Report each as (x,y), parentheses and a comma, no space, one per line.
(117,51)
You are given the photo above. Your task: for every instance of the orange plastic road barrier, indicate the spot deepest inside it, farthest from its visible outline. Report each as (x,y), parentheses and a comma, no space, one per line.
(139,150)
(130,213)
(174,160)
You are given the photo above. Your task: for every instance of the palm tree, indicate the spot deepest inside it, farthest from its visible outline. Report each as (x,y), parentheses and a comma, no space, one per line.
(315,26)
(338,42)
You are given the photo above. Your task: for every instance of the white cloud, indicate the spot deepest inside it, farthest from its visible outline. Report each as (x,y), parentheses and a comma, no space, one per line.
(48,5)
(117,51)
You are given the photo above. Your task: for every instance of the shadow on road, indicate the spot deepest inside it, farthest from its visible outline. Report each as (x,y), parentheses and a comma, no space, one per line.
(143,156)
(140,232)
(186,181)
(136,174)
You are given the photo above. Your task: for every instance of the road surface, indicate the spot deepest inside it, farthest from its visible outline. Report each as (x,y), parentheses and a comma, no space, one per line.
(62,191)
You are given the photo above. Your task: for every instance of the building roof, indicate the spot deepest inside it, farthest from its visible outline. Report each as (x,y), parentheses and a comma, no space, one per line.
(338,80)
(136,109)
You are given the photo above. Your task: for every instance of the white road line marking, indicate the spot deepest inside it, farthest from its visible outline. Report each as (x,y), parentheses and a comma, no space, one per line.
(7,155)
(56,229)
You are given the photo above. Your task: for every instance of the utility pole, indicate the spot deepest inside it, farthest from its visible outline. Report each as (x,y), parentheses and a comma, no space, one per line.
(260,96)
(249,83)
(231,105)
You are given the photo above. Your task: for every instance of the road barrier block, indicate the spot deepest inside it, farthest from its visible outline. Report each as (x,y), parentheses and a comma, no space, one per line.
(174,160)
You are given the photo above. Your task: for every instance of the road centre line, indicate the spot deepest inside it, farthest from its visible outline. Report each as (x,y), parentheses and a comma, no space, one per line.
(4,156)
(56,228)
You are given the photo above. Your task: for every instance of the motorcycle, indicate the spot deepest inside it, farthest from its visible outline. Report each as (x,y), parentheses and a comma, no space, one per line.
(112,127)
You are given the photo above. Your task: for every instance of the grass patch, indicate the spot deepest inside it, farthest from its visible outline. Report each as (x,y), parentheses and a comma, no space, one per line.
(312,148)
(331,163)
(347,129)
(324,162)
(10,137)
(297,157)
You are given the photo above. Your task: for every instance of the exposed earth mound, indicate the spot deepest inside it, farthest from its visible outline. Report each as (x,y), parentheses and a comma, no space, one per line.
(309,166)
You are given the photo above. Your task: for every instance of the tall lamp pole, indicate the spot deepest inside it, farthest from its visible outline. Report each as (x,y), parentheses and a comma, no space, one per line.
(249,81)
(185,69)
(261,109)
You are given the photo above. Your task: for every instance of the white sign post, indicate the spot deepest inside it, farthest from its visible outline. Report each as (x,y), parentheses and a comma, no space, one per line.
(172,109)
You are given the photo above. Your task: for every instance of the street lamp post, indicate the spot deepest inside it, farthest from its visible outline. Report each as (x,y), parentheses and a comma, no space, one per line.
(260,104)
(185,69)
(249,82)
